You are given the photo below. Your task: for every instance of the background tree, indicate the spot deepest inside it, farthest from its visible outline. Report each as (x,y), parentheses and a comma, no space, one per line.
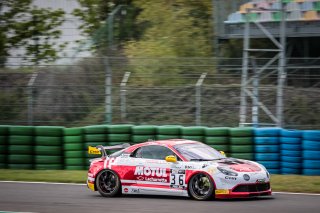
(94,14)
(30,28)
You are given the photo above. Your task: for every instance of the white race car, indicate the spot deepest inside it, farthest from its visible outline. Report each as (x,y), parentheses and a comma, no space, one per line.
(175,167)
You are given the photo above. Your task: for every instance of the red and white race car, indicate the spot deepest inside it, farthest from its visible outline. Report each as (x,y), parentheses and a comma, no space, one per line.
(175,167)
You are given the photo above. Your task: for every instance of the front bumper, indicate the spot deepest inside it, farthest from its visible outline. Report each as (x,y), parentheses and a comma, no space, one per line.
(90,185)
(244,191)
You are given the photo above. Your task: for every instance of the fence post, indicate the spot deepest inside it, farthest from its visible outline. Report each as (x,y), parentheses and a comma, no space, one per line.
(108,91)
(198,98)
(30,98)
(255,92)
(123,92)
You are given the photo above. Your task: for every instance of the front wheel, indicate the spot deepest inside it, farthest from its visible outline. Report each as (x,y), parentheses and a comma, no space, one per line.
(108,183)
(201,187)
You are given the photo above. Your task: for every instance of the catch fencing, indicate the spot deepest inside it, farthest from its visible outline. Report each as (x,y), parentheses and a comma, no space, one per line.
(184,91)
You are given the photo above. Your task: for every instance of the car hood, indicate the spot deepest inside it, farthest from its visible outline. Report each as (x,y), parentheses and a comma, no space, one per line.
(239,165)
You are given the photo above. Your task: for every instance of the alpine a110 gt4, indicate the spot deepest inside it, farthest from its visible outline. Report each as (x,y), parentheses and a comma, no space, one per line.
(175,167)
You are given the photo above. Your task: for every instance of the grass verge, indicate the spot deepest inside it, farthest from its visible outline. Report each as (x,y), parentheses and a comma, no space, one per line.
(284,183)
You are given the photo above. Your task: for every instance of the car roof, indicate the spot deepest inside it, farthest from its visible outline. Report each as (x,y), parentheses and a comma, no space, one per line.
(169,143)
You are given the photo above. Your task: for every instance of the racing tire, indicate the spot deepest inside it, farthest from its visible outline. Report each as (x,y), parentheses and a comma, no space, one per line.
(73,139)
(266,140)
(53,131)
(216,140)
(108,183)
(311,135)
(192,130)
(48,141)
(119,129)
(118,137)
(241,140)
(245,156)
(216,131)
(142,138)
(201,187)
(241,132)
(144,130)
(287,140)
(291,133)
(311,145)
(3,140)
(75,131)
(193,137)
(95,129)
(169,130)
(267,132)
(21,130)
(4,129)
(224,148)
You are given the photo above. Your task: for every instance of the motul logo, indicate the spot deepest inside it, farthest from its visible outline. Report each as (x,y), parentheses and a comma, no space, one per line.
(148,171)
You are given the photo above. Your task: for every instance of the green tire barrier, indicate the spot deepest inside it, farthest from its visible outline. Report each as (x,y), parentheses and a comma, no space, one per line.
(3,158)
(192,130)
(167,137)
(193,137)
(4,129)
(3,140)
(3,149)
(74,161)
(119,129)
(216,131)
(54,131)
(142,138)
(3,165)
(21,130)
(241,148)
(144,130)
(20,140)
(48,150)
(74,167)
(246,156)
(48,141)
(73,146)
(48,167)
(73,139)
(241,132)
(48,159)
(20,166)
(169,130)
(95,137)
(72,131)
(118,137)
(241,140)
(20,149)
(224,148)
(74,154)
(20,159)
(216,140)
(95,129)
(115,143)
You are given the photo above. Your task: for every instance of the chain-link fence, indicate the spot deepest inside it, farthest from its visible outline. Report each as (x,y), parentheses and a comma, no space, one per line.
(187,91)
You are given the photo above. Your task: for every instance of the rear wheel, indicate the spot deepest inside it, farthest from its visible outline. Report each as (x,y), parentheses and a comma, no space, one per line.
(108,183)
(201,187)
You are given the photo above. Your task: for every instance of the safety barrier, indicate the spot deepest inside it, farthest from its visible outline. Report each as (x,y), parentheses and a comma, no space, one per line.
(281,151)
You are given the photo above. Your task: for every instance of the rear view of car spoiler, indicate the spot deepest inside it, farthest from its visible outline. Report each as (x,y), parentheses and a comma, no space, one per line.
(102,149)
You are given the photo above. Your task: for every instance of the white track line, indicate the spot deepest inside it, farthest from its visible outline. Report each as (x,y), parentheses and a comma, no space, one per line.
(82,184)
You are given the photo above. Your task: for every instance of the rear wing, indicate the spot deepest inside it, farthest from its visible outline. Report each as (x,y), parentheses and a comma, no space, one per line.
(102,149)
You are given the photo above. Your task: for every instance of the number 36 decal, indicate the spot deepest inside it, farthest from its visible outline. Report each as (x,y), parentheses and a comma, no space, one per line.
(177,178)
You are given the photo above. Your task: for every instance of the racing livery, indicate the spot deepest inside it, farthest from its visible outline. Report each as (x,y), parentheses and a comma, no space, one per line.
(175,167)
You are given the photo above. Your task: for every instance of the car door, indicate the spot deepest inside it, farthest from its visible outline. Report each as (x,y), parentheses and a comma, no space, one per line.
(152,174)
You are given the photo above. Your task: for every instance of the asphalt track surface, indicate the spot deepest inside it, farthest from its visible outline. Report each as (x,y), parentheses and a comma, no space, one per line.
(31,197)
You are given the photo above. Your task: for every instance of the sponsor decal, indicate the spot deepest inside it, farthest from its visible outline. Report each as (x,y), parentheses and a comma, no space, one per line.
(149,171)
(212,170)
(221,191)
(189,167)
(261,180)
(135,191)
(152,179)
(90,186)
(126,190)
(230,178)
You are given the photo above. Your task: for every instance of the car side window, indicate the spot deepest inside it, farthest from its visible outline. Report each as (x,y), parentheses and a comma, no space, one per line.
(153,152)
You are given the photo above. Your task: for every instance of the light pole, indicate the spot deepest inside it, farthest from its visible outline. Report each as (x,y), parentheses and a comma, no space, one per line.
(110,21)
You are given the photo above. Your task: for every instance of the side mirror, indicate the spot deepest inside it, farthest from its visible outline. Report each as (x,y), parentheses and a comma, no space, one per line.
(224,154)
(171,159)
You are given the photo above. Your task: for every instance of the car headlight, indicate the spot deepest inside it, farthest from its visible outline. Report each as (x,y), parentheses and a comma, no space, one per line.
(227,172)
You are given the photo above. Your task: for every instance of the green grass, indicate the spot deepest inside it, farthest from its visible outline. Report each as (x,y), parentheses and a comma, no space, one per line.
(285,183)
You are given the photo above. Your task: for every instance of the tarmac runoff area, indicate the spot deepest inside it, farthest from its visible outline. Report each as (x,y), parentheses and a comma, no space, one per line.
(61,197)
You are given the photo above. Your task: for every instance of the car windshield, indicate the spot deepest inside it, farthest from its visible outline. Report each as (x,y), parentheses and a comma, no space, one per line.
(198,152)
